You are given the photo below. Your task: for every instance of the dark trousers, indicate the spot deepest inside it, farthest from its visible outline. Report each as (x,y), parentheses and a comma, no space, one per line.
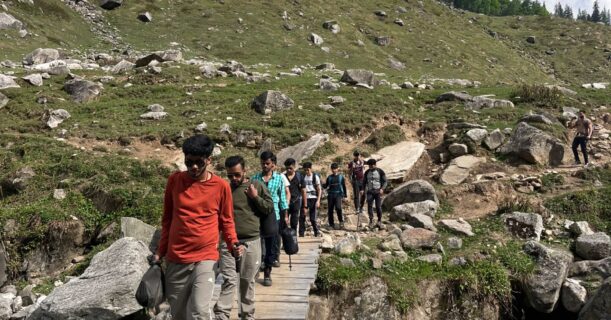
(359,200)
(293,213)
(312,212)
(270,250)
(335,202)
(372,196)
(582,142)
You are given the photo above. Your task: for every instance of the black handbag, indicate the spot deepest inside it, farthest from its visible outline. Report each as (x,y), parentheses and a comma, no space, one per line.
(268,225)
(151,291)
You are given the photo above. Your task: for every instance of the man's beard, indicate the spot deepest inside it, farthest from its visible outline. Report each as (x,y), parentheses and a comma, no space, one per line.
(238,183)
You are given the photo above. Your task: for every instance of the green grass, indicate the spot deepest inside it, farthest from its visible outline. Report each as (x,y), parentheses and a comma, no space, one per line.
(591,205)
(385,137)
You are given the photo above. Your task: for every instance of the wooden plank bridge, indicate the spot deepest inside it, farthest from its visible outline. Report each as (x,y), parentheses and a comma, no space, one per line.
(288,297)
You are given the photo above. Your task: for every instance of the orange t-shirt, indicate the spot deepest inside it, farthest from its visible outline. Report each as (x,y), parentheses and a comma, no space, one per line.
(193,213)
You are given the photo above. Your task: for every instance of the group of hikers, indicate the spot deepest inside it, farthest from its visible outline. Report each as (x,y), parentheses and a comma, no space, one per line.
(248,214)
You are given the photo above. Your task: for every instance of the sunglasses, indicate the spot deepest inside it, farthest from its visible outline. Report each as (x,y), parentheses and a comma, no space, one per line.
(236,175)
(200,163)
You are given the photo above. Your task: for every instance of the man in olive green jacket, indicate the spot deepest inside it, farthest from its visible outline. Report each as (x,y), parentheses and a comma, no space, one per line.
(250,201)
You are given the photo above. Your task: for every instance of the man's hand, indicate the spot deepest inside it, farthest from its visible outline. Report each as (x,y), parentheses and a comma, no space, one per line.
(317,204)
(251,192)
(154,259)
(381,192)
(238,250)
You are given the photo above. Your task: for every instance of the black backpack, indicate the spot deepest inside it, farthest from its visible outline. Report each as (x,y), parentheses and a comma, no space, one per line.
(290,243)
(151,291)
(268,225)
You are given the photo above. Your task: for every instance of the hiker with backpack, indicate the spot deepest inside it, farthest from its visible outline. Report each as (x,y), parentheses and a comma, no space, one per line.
(311,202)
(374,183)
(356,168)
(336,192)
(197,203)
(297,192)
(251,200)
(275,185)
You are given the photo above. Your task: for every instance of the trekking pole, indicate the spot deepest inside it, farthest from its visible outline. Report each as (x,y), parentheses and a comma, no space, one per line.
(238,269)
(290,264)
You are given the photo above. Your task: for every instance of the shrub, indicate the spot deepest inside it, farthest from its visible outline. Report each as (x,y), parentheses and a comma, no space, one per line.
(385,137)
(538,94)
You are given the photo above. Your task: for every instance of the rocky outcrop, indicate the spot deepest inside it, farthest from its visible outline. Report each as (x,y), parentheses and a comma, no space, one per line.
(573,295)
(459,169)
(105,290)
(534,146)
(494,140)
(412,191)
(271,101)
(599,307)
(544,284)
(122,66)
(524,225)
(459,226)
(7,82)
(348,245)
(303,149)
(82,91)
(40,56)
(397,160)
(419,238)
(135,228)
(403,211)
(9,22)
(359,76)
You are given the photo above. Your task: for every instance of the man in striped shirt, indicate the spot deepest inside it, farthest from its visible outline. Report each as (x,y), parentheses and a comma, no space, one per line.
(275,184)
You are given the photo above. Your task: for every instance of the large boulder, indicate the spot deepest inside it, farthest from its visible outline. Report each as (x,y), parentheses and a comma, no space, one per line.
(303,149)
(54,118)
(135,228)
(397,160)
(316,39)
(591,268)
(419,220)
(7,82)
(454,96)
(599,307)
(82,91)
(271,101)
(122,66)
(483,102)
(34,79)
(110,4)
(55,67)
(593,246)
(40,56)
(403,211)
(459,169)
(534,146)
(459,226)
(419,238)
(9,22)
(374,302)
(359,76)
(524,225)
(411,191)
(544,284)
(494,140)
(348,245)
(105,290)
(573,295)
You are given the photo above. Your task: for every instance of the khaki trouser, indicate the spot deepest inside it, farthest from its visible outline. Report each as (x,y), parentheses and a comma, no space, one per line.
(189,289)
(249,268)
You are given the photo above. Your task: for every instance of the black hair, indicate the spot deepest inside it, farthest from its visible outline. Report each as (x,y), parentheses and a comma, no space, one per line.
(289,162)
(371,162)
(307,165)
(334,165)
(198,145)
(234,161)
(268,155)
(356,154)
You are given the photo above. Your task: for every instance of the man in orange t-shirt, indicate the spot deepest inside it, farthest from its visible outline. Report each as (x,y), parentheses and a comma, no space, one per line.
(197,204)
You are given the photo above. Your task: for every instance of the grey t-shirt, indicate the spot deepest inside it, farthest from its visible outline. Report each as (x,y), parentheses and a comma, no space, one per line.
(311,192)
(374,180)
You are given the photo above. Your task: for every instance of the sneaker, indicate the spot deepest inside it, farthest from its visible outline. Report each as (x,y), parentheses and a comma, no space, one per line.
(587,165)
(380,225)
(341,226)
(267,277)
(336,227)
(276,264)
(360,210)
(577,163)
(371,225)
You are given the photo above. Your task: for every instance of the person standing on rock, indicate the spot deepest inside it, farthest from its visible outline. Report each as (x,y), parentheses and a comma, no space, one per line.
(311,202)
(275,184)
(374,183)
(250,201)
(336,192)
(197,203)
(297,191)
(356,167)
(584,129)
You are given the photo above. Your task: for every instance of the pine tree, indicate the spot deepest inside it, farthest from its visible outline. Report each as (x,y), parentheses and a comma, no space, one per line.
(568,12)
(558,11)
(595,17)
(582,15)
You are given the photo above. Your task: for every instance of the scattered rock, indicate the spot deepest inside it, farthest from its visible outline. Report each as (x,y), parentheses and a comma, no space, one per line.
(145,17)
(7,82)
(82,91)
(589,268)
(271,101)
(543,285)
(59,194)
(40,56)
(418,238)
(303,149)
(392,243)
(332,26)
(398,160)
(395,64)
(7,21)
(458,149)
(18,181)
(524,225)
(336,100)
(536,118)
(459,169)
(201,127)
(599,307)
(154,115)
(54,118)
(3,100)
(531,39)
(411,191)
(110,4)
(593,246)
(383,41)
(403,211)
(477,135)
(454,96)
(328,85)
(34,79)
(56,67)
(346,262)
(113,275)
(580,227)
(348,245)
(421,221)
(359,76)
(483,102)
(380,13)
(431,258)
(399,22)
(458,226)
(316,39)
(122,67)
(534,146)
(573,295)
(454,243)
(494,140)
(327,244)
(28,297)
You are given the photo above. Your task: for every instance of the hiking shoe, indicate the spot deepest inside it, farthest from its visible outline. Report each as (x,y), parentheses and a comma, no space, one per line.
(380,225)
(336,227)
(360,210)
(371,225)
(267,277)
(341,226)
(276,264)
(577,163)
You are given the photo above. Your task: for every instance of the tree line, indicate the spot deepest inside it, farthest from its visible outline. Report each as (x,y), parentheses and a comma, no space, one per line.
(598,15)
(501,7)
